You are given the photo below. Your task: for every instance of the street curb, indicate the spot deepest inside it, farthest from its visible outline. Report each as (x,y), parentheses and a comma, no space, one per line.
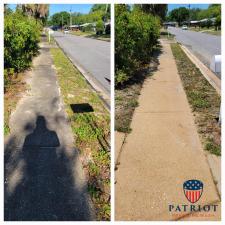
(94,84)
(215,82)
(215,167)
(207,73)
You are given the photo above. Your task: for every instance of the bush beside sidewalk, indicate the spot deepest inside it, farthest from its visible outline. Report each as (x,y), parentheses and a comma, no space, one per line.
(21,38)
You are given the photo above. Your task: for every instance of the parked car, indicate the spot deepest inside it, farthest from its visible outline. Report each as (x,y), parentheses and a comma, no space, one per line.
(55,28)
(66,31)
(184,27)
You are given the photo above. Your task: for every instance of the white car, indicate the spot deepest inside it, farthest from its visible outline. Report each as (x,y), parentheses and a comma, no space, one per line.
(66,31)
(184,27)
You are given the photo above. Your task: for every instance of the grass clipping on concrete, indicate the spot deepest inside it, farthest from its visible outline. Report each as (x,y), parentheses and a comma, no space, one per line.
(204,101)
(91,131)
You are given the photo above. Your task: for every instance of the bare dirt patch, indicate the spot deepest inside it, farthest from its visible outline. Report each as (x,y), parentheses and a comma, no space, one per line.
(13,91)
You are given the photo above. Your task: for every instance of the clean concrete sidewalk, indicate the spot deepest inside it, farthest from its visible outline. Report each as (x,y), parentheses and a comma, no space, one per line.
(44,179)
(162,151)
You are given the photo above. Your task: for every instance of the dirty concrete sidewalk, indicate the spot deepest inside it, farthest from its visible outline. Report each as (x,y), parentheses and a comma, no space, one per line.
(162,152)
(44,179)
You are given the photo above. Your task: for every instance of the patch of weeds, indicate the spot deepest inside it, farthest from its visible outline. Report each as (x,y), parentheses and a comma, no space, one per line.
(6,129)
(165,34)
(133,103)
(212,147)
(102,156)
(107,210)
(203,99)
(198,100)
(85,128)
(94,170)
(13,90)
(94,192)
(91,131)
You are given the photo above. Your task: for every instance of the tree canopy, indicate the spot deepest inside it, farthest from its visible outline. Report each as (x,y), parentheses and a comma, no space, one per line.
(179,15)
(38,11)
(60,19)
(183,14)
(159,10)
(97,12)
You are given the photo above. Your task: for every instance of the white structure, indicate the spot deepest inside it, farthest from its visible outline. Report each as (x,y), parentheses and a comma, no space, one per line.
(215,64)
(50,32)
(74,26)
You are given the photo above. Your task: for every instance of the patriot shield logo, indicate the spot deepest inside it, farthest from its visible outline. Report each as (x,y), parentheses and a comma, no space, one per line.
(193,190)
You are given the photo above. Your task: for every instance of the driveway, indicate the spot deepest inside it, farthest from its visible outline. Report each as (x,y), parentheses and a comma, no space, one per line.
(93,56)
(204,46)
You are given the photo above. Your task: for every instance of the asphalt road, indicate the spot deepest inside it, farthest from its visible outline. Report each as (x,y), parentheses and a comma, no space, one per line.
(204,46)
(91,54)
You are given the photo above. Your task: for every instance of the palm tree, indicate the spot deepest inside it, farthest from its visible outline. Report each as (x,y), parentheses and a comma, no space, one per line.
(29,9)
(38,11)
(42,10)
(155,9)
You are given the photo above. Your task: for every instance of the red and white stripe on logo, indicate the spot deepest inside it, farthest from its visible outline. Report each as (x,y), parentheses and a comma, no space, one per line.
(193,196)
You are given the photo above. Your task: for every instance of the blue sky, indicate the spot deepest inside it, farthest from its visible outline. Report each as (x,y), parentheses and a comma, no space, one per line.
(82,8)
(85,8)
(174,6)
(54,8)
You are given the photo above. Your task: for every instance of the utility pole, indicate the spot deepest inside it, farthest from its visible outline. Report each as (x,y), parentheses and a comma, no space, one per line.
(189,6)
(106,8)
(70,18)
(62,21)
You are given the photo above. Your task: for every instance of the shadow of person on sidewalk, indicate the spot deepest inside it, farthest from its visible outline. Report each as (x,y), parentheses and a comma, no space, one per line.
(47,190)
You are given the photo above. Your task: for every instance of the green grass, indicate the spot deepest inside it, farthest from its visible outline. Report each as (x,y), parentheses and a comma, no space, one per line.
(6,129)
(213,32)
(166,35)
(203,99)
(91,131)
(210,30)
(212,147)
(81,33)
(102,37)
(198,99)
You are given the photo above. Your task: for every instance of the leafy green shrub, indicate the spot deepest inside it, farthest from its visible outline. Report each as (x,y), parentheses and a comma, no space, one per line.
(88,28)
(107,29)
(121,77)
(218,22)
(21,37)
(7,74)
(99,27)
(136,35)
